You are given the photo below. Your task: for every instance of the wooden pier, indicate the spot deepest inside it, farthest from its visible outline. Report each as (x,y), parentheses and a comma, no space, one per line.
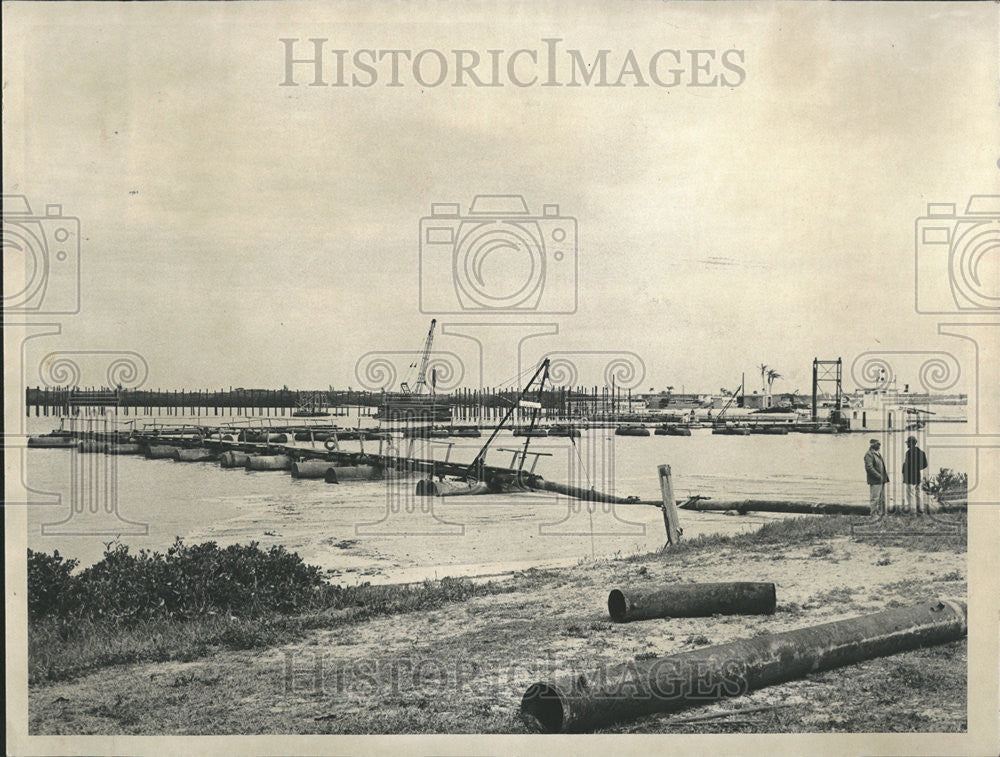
(467,405)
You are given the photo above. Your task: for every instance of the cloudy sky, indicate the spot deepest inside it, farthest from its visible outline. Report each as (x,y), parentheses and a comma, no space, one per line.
(236,232)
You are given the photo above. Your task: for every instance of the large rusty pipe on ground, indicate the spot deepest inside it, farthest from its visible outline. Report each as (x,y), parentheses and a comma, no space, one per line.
(769,506)
(691,600)
(642,687)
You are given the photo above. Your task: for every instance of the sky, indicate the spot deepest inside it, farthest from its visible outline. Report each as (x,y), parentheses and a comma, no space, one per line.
(235,232)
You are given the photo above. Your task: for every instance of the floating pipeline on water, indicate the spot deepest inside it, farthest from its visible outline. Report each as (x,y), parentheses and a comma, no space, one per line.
(332,436)
(202,444)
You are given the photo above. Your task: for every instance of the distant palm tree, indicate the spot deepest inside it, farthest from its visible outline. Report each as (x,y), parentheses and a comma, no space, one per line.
(763,374)
(772,376)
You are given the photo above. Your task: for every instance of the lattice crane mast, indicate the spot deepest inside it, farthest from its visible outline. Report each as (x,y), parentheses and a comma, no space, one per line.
(421,382)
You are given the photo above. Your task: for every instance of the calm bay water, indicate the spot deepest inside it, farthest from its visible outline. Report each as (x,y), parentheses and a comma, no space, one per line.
(379,531)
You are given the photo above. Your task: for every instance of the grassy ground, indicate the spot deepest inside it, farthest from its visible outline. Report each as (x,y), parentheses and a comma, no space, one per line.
(421,659)
(60,650)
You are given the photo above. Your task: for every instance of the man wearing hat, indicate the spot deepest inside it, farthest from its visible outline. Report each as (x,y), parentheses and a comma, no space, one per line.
(877,477)
(914,464)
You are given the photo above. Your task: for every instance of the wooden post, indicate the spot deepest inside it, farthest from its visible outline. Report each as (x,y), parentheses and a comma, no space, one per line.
(670,519)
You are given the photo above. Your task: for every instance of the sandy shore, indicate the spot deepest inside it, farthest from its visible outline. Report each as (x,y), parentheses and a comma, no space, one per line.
(463,667)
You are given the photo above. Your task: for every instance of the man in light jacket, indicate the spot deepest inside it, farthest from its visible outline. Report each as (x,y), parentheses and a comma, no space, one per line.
(877,477)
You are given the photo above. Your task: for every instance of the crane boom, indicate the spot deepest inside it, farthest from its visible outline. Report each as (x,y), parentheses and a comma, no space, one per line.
(425,357)
(474,469)
(741,390)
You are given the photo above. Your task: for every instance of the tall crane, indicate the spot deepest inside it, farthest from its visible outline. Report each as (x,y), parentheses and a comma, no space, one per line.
(425,356)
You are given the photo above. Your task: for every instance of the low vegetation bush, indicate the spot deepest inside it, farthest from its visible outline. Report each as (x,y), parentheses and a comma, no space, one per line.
(51,585)
(187,581)
(178,605)
(181,604)
(947,486)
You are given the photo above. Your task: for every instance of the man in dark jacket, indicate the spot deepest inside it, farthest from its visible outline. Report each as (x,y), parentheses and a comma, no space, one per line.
(877,477)
(914,464)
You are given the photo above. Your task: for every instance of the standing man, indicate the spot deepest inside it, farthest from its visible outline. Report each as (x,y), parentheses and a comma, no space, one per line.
(914,464)
(877,477)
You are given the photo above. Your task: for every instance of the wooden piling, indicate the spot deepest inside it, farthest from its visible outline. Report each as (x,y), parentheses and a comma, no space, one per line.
(670,520)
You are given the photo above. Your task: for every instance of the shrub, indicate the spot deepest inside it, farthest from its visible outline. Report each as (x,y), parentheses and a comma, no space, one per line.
(947,485)
(187,581)
(51,586)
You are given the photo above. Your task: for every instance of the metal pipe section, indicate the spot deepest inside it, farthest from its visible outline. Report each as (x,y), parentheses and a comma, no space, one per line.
(311,468)
(48,441)
(125,448)
(233,459)
(268,462)
(642,687)
(591,495)
(691,601)
(767,506)
(427,487)
(161,452)
(306,436)
(195,455)
(338,473)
